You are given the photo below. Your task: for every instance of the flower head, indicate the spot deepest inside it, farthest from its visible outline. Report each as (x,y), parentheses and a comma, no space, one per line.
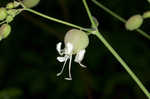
(75,43)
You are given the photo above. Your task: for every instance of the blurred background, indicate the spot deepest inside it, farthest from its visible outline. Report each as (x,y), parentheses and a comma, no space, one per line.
(28,64)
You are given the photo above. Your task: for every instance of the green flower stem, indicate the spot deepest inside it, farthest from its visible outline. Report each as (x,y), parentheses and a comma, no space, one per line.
(115,54)
(119,18)
(54,19)
(123,63)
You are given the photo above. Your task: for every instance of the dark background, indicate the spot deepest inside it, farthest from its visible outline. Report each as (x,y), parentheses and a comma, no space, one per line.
(28,64)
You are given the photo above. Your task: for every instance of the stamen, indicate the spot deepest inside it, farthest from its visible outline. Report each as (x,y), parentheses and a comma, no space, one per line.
(70,78)
(66,58)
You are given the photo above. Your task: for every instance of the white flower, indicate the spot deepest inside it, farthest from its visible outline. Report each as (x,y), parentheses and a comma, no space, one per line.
(66,54)
(75,43)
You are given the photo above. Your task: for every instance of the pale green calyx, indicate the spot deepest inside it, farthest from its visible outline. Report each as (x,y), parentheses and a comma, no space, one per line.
(5,30)
(77,38)
(146,15)
(30,3)
(134,22)
(75,43)
(9,19)
(3,13)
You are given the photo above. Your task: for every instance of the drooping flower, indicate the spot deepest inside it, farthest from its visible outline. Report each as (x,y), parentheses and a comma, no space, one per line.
(75,43)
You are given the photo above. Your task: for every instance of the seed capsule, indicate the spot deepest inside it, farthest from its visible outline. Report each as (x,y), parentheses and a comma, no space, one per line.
(30,3)
(5,30)
(78,39)
(134,22)
(3,13)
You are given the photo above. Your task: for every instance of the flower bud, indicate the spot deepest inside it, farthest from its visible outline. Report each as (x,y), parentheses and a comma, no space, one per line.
(146,15)
(12,12)
(77,38)
(9,19)
(95,21)
(3,13)
(5,30)
(16,4)
(30,3)
(10,5)
(134,22)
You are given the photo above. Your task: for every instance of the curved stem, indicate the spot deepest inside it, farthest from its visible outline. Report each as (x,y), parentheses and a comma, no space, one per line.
(54,19)
(124,64)
(119,18)
(115,54)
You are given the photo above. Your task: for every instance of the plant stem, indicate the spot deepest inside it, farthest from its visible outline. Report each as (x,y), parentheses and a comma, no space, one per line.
(119,18)
(124,64)
(115,54)
(54,19)
(2,22)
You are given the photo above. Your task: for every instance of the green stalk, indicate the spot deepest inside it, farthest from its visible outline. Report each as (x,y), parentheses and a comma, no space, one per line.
(119,18)
(115,54)
(54,19)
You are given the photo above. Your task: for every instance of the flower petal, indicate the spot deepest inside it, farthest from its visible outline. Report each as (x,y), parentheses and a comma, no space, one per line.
(61,59)
(79,57)
(70,77)
(68,48)
(58,47)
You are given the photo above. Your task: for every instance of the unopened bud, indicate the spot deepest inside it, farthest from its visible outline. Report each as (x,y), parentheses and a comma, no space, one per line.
(30,3)
(5,30)
(9,19)
(12,12)
(12,5)
(3,13)
(134,22)
(146,15)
